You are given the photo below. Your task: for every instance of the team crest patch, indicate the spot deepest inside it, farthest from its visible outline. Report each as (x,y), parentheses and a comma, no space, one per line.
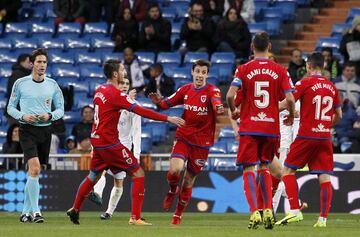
(48,102)
(203,98)
(185,97)
(200,162)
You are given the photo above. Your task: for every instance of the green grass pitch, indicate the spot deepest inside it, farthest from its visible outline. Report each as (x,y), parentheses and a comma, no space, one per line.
(193,224)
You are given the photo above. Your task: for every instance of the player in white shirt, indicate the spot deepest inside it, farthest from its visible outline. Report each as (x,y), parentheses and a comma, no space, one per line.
(129,127)
(287,136)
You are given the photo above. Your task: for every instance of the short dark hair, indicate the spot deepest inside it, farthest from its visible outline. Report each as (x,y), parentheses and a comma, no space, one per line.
(316,60)
(349,64)
(153,5)
(158,67)
(85,107)
(37,52)
(22,58)
(261,41)
(327,49)
(201,63)
(110,66)
(294,50)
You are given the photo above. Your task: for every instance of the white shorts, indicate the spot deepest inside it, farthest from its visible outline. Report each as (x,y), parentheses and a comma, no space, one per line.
(288,133)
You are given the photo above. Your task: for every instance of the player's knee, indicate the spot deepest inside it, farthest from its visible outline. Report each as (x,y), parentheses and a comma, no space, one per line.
(94,175)
(139,173)
(118,183)
(34,170)
(288,171)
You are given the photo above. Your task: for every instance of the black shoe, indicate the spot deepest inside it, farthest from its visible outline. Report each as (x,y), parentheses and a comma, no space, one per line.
(95,198)
(26,218)
(105,216)
(38,218)
(74,216)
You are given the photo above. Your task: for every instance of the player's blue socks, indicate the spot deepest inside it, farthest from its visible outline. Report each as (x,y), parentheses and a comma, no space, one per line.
(33,188)
(27,203)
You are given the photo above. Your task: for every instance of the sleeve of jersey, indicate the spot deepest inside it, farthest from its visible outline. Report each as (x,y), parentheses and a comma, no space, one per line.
(215,97)
(173,100)
(299,90)
(238,98)
(287,85)
(148,113)
(237,79)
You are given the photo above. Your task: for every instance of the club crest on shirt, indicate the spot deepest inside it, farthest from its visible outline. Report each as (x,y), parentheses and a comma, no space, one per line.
(203,98)
(185,97)
(48,102)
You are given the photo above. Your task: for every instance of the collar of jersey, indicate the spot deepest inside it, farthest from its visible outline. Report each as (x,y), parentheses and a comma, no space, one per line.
(199,89)
(261,59)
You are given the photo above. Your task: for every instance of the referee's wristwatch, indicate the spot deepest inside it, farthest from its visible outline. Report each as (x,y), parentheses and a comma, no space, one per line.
(50,116)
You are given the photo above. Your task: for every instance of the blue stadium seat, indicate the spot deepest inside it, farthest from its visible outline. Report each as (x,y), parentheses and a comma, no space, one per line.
(259,5)
(79,86)
(59,71)
(16,30)
(181,82)
(3,86)
(88,59)
(225,71)
(226,134)
(71,117)
(273,26)
(77,45)
(146,103)
(50,15)
(146,140)
(332,42)
(69,30)
(179,73)
(3,131)
(223,57)
(110,55)
(233,147)
(80,101)
(24,45)
(5,70)
(352,13)
(288,8)
(174,111)
(257,27)
(96,29)
(146,58)
(159,131)
(219,147)
(2,103)
(94,84)
(88,72)
(190,57)
(5,45)
(102,44)
(176,27)
(223,164)
(169,13)
(272,12)
(169,58)
(7,58)
(180,6)
(53,45)
(337,30)
(39,29)
(59,58)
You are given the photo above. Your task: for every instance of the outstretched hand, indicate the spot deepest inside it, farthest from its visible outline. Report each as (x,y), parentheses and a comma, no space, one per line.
(176,120)
(155,97)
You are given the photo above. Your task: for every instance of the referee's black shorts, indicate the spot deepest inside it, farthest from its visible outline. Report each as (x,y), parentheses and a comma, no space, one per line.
(35,142)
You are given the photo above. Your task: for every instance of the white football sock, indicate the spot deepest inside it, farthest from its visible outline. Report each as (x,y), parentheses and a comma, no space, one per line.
(115,196)
(100,185)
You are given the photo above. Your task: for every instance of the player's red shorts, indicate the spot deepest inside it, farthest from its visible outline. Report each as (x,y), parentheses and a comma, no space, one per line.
(317,154)
(254,150)
(196,156)
(117,158)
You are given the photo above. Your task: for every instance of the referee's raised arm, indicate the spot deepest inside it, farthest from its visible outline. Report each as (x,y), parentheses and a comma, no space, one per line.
(35,94)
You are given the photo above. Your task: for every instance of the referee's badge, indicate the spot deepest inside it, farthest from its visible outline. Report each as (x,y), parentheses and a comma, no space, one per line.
(48,102)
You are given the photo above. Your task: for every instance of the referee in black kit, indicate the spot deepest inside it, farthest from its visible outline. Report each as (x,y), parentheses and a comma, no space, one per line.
(36,95)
